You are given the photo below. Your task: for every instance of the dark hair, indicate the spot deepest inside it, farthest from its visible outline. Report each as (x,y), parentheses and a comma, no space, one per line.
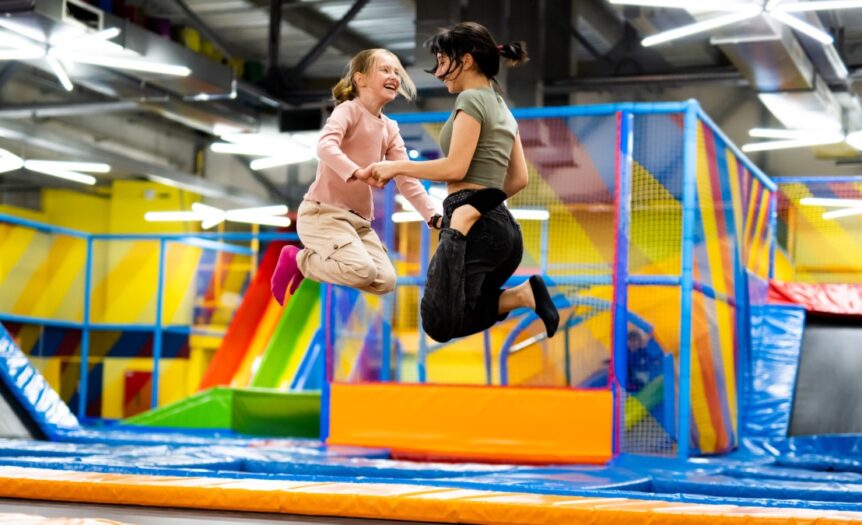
(473,38)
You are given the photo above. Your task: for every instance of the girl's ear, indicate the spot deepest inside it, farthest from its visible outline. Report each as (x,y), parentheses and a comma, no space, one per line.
(359,79)
(467,61)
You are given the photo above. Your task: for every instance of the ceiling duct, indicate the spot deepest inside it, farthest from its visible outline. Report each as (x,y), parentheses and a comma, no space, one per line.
(768,55)
(191,99)
(817,108)
(791,76)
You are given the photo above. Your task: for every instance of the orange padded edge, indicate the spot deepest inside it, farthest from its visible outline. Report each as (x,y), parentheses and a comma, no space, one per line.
(388,502)
(525,425)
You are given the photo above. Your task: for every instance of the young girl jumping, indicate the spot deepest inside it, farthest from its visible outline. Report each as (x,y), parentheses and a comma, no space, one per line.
(481,244)
(334,219)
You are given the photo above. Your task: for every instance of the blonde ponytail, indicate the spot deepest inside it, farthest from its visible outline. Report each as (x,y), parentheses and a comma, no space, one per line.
(344,90)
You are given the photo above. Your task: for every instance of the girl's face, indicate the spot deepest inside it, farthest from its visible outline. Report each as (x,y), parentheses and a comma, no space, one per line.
(382,81)
(450,80)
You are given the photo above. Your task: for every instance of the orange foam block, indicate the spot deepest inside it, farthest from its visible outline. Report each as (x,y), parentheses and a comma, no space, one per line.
(478,423)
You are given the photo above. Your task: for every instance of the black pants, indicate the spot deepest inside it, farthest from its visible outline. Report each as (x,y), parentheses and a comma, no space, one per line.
(467,274)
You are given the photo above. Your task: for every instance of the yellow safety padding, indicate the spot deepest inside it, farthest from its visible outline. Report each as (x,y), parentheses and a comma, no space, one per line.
(386,501)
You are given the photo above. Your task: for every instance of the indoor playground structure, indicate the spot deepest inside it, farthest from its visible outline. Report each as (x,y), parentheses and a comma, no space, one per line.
(708,314)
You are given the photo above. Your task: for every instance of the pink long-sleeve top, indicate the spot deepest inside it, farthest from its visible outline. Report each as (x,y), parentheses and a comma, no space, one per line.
(353,138)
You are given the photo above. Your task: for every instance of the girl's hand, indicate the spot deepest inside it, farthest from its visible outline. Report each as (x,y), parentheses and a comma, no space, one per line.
(367,176)
(384,171)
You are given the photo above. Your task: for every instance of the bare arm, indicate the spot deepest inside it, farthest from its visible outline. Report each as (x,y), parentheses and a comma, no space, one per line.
(517,174)
(452,168)
(410,188)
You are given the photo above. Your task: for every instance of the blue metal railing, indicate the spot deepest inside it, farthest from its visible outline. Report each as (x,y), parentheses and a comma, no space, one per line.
(207,241)
(618,275)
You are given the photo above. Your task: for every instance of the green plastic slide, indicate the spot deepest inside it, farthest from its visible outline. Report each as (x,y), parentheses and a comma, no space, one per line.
(250,411)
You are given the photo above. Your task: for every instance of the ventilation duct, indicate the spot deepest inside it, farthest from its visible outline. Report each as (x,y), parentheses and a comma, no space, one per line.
(208,82)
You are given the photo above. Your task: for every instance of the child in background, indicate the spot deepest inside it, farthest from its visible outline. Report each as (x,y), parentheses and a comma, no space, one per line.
(334,219)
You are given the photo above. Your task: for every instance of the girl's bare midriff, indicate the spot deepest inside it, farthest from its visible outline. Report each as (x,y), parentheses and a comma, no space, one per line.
(458,186)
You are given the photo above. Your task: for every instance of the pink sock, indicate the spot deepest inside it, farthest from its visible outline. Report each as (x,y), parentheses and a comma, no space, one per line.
(286,274)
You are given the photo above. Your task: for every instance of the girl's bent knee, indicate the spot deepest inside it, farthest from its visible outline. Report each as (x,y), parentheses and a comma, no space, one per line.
(360,276)
(387,282)
(436,330)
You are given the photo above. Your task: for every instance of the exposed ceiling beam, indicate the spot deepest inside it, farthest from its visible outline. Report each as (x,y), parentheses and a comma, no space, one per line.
(309,20)
(195,21)
(274,36)
(328,38)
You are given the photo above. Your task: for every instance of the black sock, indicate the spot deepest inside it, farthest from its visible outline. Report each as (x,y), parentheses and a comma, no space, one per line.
(485,200)
(545,305)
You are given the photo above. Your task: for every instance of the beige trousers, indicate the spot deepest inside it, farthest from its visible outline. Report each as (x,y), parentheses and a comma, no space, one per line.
(342,248)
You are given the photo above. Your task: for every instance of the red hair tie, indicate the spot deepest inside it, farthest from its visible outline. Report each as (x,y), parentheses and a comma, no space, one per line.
(500,48)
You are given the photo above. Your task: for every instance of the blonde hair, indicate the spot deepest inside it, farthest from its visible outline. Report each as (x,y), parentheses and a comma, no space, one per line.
(364,62)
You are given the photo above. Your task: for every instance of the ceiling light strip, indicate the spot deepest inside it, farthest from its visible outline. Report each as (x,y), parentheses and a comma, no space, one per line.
(802,27)
(699,27)
(687,4)
(787,144)
(830,203)
(847,212)
(827,5)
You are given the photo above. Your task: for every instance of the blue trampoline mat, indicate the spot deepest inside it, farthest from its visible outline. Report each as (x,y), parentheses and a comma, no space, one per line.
(747,477)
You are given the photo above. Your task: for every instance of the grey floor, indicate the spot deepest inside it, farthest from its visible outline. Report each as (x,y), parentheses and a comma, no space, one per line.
(167,516)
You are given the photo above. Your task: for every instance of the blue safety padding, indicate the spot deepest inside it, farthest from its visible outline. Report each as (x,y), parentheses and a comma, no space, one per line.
(818,462)
(564,480)
(691,481)
(165,437)
(361,467)
(727,486)
(791,474)
(17,447)
(30,389)
(131,465)
(656,465)
(776,337)
(837,445)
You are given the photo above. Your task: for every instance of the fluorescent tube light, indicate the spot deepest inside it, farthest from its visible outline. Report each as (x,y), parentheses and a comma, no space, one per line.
(699,27)
(802,27)
(704,5)
(73,176)
(792,143)
(60,72)
(830,203)
(125,63)
(846,212)
(827,5)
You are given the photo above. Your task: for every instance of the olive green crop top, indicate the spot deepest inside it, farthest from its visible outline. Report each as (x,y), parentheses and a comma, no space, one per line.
(491,159)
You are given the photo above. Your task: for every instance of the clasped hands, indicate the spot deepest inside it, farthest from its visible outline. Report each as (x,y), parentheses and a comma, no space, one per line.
(376,175)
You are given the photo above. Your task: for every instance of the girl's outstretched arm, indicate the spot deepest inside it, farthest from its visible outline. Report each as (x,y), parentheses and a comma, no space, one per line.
(410,188)
(452,168)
